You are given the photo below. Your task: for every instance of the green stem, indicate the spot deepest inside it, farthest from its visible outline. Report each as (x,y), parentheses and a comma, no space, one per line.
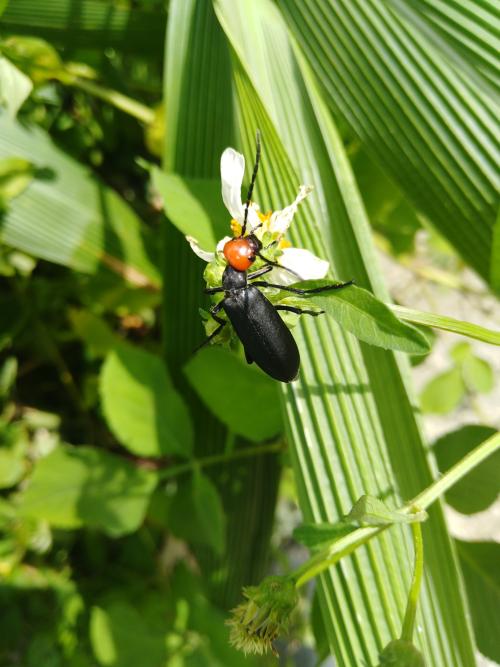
(243,453)
(332,553)
(447,324)
(411,607)
(130,106)
(455,474)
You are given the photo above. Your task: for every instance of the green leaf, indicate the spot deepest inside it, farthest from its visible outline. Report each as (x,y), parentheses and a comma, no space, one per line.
(122,637)
(421,109)
(8,375)
(370,320)
(141,405)
(372,511)
(12,467)
(77,486)
(68,217)
(351,424)
(138,30)
(196,513)
(447,324)
(443,393)
(478,375)
(460,352)
(15,176)
(316,534)
(401,653)
(194,206)
(479,561)
(15,87)
(34,56)
(97,335)
(479,489)
(495,255)
(239,394)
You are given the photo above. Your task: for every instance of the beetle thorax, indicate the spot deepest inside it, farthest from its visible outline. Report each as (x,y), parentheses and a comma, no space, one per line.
(233,279)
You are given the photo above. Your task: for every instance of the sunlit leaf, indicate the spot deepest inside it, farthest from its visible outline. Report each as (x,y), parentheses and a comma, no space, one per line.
(240,395)
(479,489)
(77,486)
(141,406)
(443,393)
(15,87)
(370,320)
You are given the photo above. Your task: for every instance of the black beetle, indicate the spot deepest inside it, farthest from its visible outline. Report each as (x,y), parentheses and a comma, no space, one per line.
(266,339)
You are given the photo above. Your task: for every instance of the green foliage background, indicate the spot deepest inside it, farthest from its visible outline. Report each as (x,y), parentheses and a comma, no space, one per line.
(139,483)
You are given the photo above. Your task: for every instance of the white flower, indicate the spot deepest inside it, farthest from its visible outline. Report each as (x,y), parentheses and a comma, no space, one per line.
(302,262)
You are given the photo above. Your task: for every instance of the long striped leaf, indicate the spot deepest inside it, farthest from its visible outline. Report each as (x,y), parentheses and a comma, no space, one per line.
(351,421)
(425,120)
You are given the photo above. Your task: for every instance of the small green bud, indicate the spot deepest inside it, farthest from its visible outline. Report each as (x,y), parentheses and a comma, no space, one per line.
(401,653)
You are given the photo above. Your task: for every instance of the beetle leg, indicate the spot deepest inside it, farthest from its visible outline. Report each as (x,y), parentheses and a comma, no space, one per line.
(299,311)
(213,290)
(296,290)
(222,323)
(278,266)
(260,272)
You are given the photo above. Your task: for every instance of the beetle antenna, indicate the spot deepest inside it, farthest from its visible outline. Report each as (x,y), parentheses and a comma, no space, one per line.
(252,183)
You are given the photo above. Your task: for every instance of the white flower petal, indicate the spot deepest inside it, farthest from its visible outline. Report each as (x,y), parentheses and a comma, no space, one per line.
(232,169)
(303,262)
(222,243)
(202,254)
(280,220)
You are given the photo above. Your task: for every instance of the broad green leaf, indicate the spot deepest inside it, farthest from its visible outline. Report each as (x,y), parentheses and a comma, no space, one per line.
(401,653)
(374,512)
(479,561)
(196,513)
(479,489)
(141,405)
(370,320)
(122,637)
(351,425)
(443,393)
(85,486)
(421,114)
(194,206)
(447,324)
(68,217)
(315,534)
(478,375)
(240,395)
(15,87)
(93,330)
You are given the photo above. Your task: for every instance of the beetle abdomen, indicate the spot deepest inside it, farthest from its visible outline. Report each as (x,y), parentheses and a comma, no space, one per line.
(265,337)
